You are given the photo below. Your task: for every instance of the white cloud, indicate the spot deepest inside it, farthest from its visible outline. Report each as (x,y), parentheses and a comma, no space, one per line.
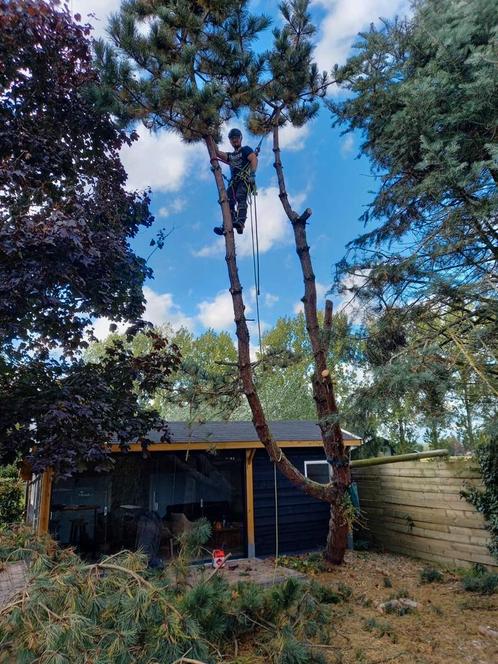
(176,206)
(321,291)
(254,329)
(216,248)
(218,313)
(159,161)
(293,138)
(271,299)
(273,226)
(101,328)
(347,145)
(253,352)
(342,22)
(101,8)
(254,348)
(160,309)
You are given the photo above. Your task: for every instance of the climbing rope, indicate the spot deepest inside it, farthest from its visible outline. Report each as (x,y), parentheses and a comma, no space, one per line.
(277,543)
(253,213)
(255,261)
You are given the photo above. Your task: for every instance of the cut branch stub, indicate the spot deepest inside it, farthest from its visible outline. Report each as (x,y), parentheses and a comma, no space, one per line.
(325,492)
(323,388)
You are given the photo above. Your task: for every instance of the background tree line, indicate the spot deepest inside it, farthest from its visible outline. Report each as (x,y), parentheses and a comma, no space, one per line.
(421,367)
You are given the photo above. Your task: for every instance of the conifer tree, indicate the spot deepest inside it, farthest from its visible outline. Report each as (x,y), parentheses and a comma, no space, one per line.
(424,95)
(292,96)
(189,67)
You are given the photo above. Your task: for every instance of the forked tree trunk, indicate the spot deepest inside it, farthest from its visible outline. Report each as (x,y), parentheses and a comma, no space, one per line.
(277,455)
(322,385)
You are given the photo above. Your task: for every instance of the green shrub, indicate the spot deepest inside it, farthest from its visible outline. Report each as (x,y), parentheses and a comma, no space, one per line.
(399,594)
(308,563)
(479,580)
(486,500)
(325,594)
(397,609)
(380,628)
(11,496)
(344,591)
(430,575)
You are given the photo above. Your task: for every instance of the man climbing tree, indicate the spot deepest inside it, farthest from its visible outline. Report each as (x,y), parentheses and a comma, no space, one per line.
(193,90)
(243,163)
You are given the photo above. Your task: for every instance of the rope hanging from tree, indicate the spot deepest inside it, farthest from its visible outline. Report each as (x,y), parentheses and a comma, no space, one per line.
(253,210)
(253,213)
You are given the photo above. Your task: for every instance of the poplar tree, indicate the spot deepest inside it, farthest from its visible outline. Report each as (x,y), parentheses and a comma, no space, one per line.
(188,67)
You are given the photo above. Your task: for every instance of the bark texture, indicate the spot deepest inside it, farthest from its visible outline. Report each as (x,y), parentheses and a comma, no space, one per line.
(323,387)
(277,455)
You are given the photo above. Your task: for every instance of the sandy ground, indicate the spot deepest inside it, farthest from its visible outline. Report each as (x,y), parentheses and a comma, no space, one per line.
(446,627)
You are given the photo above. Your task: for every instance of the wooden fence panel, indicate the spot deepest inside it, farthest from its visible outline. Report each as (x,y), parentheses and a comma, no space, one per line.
(415,508)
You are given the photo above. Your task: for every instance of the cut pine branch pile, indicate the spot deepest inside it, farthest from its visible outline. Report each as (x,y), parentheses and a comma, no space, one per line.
(117,611)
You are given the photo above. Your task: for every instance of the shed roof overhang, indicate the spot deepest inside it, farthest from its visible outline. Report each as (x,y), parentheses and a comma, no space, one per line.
(233,435)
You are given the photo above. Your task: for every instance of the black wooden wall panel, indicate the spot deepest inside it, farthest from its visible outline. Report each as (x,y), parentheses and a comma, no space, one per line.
(303,521)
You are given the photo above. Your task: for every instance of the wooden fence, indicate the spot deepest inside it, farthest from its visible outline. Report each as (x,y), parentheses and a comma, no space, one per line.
(414,507)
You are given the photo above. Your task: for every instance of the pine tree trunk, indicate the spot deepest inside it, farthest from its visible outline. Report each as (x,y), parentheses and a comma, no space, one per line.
(468,415)
(337,538)
(323,387)
(320,491)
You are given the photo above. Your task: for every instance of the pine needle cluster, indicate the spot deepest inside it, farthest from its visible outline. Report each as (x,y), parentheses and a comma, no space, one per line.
(117,611)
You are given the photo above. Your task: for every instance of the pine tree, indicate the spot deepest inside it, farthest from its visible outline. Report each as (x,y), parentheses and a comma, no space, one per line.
(188,67)
(292,96)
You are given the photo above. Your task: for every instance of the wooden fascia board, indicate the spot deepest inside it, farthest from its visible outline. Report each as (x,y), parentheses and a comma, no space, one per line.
(45,501)
(251,538)
(236,445)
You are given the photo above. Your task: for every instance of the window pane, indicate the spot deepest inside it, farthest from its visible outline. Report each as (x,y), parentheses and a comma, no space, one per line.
(318,472)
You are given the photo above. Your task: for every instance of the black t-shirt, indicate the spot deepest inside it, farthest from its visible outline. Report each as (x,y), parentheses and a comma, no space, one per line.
(239,160)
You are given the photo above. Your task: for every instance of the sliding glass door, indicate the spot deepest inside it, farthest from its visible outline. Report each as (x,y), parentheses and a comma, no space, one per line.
(106,512)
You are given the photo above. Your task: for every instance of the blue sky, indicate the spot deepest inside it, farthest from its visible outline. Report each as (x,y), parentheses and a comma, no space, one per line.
(190,278)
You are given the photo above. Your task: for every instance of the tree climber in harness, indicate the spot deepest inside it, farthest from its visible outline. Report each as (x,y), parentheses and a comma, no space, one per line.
(243,162)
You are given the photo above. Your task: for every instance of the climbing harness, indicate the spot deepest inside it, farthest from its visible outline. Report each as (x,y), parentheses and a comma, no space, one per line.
(252,193)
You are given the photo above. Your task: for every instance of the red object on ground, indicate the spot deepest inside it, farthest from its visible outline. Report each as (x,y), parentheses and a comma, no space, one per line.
(218,558)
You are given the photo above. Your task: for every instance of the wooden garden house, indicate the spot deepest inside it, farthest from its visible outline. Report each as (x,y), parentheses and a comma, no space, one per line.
(217,470)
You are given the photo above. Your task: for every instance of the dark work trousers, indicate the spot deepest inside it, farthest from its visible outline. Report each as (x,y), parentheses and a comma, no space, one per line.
(237,191)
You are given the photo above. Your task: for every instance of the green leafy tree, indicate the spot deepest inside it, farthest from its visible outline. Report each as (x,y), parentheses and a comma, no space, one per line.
(284,378)
(207,384)
(406,385)
(11,495)
(485,499)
